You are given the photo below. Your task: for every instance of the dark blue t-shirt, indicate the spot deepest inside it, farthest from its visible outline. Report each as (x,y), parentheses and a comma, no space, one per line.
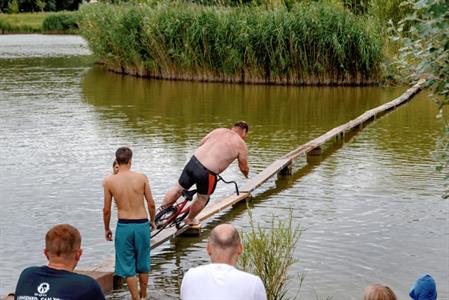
(44,283)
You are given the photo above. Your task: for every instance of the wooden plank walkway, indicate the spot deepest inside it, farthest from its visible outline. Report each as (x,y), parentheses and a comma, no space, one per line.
(103,272)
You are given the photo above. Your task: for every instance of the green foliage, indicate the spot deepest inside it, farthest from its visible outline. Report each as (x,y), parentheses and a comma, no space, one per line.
(312,43)
(5,26)
(65,22)
(39,5)
(20,23)
(424,37)
(268,253)
(13,7)
(389,11)
(60,22)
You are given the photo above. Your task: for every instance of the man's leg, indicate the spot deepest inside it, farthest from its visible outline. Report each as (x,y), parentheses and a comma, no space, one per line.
(132,286)
(143,282)
(172,195)
(196,207)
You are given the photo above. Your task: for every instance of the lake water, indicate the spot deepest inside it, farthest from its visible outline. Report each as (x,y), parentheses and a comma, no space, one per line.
(371,208)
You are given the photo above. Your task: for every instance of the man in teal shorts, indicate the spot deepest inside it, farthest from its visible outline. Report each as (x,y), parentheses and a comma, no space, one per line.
(132,236)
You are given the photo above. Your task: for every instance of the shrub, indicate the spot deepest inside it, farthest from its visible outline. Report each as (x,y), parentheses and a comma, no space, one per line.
(61,22)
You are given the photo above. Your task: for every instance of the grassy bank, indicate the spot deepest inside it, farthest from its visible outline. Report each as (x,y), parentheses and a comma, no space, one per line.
(310,43)
(41,22)
(22,23)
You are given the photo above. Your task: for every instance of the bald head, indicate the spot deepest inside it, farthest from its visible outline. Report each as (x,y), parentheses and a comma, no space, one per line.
(224,244)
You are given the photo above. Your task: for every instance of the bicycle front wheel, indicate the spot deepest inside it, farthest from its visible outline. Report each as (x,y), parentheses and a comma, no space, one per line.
(164,217)
(181,218)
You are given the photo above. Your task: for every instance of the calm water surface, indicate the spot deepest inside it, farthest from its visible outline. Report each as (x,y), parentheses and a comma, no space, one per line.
(370,209)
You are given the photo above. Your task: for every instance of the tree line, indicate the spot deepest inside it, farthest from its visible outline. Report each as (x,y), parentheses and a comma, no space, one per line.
(16,6)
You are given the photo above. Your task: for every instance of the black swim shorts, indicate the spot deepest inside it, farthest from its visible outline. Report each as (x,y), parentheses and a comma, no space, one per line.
(195,173)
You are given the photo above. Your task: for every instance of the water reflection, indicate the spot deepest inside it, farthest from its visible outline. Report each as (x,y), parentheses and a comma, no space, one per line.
(181,112)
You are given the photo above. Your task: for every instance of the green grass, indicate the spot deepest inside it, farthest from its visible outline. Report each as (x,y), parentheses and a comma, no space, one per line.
(23,22)
(29,22)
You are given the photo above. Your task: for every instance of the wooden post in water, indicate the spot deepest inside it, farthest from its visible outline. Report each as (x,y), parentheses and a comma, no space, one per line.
(315,151)
(287,170)
(194,230)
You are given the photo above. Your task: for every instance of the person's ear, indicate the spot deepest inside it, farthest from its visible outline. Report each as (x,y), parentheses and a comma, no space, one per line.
(209,249)
(46,254)
(78,254)
(240,249)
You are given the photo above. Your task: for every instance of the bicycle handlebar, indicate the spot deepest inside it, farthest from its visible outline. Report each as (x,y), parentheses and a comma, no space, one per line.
(228,182)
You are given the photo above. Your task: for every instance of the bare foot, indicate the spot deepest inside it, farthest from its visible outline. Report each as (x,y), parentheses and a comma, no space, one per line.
(191,222)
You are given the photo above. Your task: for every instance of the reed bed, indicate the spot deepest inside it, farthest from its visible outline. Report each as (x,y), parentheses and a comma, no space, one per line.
(269,253)
(310,43)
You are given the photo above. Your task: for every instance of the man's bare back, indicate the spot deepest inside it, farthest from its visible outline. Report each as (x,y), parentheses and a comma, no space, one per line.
(128,190)
(220,148)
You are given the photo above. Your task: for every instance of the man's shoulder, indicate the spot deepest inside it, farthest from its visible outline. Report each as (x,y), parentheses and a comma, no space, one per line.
(220,131)
(212,268)
(246,274)
(84,282)
(107,179)
(31,270)
(82,277)
(199,270)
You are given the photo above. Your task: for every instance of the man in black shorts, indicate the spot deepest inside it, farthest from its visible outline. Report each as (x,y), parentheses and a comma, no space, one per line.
(216,152)
(57,280)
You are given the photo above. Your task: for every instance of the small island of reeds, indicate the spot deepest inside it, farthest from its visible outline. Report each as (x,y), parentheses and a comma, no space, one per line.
(304,43)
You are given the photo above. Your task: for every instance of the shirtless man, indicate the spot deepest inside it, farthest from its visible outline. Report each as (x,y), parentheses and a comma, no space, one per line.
(132,238)
(216,152)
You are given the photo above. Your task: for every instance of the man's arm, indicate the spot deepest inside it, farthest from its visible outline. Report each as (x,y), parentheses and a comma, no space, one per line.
(150,202)
(107,211)
(243,160)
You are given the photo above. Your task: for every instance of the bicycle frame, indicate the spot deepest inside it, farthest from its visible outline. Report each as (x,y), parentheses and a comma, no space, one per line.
(179,210)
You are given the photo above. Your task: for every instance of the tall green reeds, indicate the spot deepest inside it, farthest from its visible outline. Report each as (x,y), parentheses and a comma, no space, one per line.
(269,253)
(310,43)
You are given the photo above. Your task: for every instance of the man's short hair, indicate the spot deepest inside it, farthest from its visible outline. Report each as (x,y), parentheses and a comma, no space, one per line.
(223,241)
(123,155)
(242,124)
(63,240)
(378,292)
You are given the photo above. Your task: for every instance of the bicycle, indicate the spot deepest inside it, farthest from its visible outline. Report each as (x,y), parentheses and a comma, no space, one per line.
(177,212)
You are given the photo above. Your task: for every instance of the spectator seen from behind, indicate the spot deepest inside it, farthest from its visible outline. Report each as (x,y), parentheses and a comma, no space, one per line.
(378,292)
(424,288)
(220,279)
(57,280)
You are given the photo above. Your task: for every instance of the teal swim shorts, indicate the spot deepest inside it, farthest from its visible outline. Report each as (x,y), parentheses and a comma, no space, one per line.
(132,247)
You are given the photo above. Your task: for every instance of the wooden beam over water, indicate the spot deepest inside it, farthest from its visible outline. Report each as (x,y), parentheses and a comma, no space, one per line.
(103,272)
